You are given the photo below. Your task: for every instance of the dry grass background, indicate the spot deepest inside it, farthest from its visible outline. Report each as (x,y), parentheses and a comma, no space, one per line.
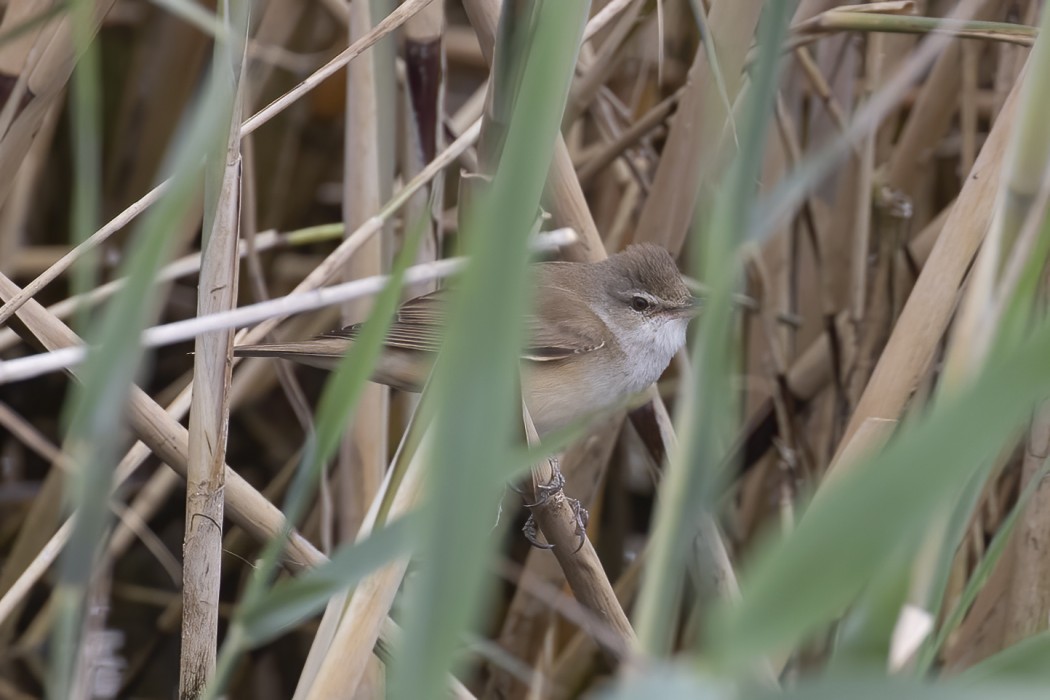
(858,307)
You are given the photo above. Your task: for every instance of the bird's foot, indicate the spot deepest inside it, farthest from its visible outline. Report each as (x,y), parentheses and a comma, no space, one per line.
(544,493)
(582,518)
(531,532)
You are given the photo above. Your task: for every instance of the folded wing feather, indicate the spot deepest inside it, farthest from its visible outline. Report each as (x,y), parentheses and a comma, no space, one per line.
(570,328)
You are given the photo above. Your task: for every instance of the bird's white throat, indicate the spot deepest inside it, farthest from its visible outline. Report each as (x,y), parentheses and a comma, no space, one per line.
(648,346)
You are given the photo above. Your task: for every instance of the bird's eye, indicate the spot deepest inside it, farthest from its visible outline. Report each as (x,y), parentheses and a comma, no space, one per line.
(639,303)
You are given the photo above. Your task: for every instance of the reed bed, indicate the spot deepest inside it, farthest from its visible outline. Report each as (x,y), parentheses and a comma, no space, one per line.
(837,489)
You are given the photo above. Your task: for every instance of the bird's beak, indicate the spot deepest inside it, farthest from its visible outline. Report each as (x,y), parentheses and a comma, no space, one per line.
(689,309)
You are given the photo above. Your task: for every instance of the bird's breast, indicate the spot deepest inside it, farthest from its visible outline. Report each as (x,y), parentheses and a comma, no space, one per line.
(559,393)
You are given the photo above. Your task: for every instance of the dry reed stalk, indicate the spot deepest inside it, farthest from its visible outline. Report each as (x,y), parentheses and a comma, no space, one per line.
(362,455)
(1027,599)
(15,52)
(919,248)
(984,626)
(576,661)
(982,631)
(169,619)
(12,305)
(128,527)
(339,657)
(770,271)
(861,248)
(368,142)
(820,84)
(968,105)
(560,526)
(424,105)
(869,438)
(837,20)
(210,406)
(24,432)
(1012,236)
(422,125)
(461,46)
(795,252)
(1011,57)
(772,348)
(20,568)
(33,571)
(877,239)
(925,316)
(37,525)
(526,620)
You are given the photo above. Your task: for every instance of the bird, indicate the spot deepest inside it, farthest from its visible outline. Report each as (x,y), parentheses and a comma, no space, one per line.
(598,333)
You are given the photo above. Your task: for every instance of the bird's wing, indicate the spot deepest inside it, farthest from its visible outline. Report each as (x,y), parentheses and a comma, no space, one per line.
(417,326)
(569,327)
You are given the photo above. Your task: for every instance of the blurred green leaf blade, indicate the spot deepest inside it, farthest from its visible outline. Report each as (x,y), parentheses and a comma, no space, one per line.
(475,379)
(875,509)
(292,601)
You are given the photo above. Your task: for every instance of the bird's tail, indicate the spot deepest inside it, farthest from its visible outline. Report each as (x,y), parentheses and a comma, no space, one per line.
(315,353)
